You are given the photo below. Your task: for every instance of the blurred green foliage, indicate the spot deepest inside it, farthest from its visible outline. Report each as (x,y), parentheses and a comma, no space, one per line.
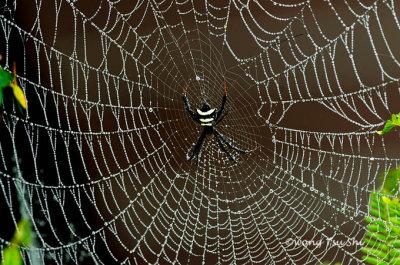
(5,79)
(382,240)
(23,236)
(8,79)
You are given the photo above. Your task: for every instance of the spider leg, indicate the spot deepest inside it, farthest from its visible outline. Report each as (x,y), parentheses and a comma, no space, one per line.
(218,135)
(217,138)
(198,146)
(223,116)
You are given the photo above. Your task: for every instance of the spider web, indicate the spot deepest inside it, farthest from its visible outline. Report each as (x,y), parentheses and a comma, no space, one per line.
(98,163)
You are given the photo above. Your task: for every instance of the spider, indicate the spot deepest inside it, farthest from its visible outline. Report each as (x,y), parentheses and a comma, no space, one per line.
(208,118)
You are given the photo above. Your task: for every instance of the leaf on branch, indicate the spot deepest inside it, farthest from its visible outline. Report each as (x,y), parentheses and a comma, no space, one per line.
(395,121)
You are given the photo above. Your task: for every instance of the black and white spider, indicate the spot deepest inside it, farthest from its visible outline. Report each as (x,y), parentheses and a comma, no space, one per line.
(208,118)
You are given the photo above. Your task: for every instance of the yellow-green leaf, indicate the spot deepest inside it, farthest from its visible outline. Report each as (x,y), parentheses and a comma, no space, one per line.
(12,256)
(18,94)
(23,235)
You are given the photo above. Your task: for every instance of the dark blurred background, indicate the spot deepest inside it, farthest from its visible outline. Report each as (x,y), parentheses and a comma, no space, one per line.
(102,148)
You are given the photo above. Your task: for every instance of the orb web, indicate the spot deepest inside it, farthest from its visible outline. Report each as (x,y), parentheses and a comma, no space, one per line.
(99,161)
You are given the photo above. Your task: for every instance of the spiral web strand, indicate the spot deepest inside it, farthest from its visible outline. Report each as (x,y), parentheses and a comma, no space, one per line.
(100,158)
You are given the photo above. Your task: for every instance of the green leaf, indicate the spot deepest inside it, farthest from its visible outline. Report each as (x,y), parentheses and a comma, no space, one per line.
(374,212)
(375,252)
(393,206)
(377,221)
(20,109)
(395,261)
(382,240)
(5,78)
(375,195)
(394,243)
(393,213)
(377,236)
(12,256)
(376,245)
(390,124)
(376,228)
(394,252)
(395,220)
(375,205)
(395,229)
(18,94)
(373,260)
(390,181)
(23,235)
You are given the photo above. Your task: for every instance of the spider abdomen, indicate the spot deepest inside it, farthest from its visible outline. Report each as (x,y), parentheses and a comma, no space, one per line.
(206,118)
(206,121)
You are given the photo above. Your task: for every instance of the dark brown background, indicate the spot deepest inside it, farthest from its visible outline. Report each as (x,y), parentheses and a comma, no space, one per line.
(151,146)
